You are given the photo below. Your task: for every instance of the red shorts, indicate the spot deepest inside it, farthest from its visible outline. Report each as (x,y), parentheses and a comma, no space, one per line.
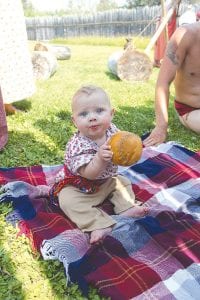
(182,108)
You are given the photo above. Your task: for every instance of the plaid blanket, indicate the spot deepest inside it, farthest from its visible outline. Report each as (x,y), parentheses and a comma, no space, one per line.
(155,257)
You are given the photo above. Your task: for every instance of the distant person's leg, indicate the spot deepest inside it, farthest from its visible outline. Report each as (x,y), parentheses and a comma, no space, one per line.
(3,124)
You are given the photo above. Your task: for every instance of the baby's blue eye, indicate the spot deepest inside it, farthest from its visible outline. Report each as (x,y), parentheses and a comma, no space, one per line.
(99,110)
(83,114)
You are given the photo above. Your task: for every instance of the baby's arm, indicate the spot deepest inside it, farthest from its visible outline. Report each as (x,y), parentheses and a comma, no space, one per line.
(98,164)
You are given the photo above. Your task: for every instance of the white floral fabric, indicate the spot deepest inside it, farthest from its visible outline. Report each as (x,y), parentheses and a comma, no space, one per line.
(16,70)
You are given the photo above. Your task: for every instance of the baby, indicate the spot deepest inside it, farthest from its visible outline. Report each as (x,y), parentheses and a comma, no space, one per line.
(90,177)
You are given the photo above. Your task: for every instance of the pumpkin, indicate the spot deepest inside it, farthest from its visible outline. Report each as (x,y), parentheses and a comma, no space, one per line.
(126,148)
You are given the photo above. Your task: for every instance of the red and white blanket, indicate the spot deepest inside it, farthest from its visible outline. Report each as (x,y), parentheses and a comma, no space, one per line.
(156,257)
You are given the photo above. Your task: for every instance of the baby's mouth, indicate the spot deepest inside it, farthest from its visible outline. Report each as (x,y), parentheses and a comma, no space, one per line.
(94,127)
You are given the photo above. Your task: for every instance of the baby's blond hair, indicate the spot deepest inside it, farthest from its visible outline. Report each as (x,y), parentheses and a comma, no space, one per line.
(88,90)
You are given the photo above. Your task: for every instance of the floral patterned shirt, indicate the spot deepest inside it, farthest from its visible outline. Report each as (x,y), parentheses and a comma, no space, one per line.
(80,150)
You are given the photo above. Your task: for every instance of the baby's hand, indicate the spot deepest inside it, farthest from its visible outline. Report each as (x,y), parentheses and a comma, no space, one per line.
(105,152)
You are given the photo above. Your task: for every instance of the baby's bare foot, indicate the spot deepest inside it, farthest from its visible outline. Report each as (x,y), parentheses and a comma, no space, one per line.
(136,211)
(98,234)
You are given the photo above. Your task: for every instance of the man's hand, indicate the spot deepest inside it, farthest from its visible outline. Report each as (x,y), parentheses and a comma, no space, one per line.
(156,137)
(105,153)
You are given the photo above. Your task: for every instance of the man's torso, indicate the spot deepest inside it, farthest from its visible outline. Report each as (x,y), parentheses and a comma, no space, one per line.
(187,80)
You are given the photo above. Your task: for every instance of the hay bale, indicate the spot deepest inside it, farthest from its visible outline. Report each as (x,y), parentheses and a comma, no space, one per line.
(113,60)
(134,65)
(60,52)
(131,65)
(44,64)
(41,47)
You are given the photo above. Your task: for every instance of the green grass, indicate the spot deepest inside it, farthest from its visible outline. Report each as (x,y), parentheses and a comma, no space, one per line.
(139,42)
(39,135)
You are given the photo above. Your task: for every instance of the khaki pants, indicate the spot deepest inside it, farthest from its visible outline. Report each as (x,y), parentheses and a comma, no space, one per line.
(81,207)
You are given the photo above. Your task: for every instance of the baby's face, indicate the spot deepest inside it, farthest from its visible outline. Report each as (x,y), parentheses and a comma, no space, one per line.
(92,114)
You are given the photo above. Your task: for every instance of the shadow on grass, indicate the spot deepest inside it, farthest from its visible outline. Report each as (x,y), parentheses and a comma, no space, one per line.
(141,120)
(59,128)
(55,272)
(112,76)
(23,105)
(23,150)
(130,118)
(11,287)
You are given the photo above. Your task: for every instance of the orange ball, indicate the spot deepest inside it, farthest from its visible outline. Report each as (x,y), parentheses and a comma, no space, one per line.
(126,147)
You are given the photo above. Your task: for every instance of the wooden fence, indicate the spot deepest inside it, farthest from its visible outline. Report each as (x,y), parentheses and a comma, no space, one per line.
(121,22)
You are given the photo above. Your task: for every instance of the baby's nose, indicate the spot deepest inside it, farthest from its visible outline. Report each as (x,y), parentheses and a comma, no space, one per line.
(92,117)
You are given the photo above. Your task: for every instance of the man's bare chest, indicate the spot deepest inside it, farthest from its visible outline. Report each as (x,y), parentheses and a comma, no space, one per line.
(191,63)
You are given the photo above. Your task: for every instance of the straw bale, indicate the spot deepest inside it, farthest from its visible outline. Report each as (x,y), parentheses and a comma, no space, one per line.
(61,52)
(44,64)
(41,47)
(130,65)
(134,65)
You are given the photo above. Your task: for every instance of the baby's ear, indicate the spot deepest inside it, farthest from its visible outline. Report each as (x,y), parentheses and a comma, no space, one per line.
(73,121)
(112,112)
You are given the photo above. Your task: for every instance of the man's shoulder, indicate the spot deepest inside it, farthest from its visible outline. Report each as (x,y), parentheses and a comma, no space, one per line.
(188,31)
(181,31)
(185,36)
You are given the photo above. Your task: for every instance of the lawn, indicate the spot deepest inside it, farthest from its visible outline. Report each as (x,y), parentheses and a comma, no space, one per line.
(38,136)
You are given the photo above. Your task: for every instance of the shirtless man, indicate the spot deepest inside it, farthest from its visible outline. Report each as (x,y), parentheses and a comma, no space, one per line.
(181,64)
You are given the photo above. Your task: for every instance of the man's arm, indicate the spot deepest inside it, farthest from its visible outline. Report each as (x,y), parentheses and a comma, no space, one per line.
(174,56)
